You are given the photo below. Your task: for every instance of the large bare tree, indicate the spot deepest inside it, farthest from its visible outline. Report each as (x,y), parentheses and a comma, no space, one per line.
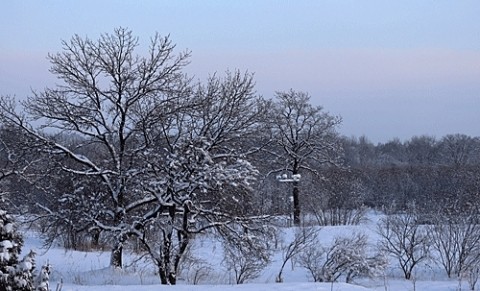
(111,98)
(305,138)
(149,155)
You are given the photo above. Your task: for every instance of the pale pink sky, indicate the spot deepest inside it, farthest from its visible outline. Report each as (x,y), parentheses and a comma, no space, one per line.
(389,68)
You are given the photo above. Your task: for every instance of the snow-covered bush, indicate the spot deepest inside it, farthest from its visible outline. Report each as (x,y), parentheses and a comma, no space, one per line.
(21,279)
(346,256)
(15,275)
(43,278)
(11,241)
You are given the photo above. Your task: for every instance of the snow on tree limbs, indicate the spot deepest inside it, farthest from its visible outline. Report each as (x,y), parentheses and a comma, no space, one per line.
(154,157)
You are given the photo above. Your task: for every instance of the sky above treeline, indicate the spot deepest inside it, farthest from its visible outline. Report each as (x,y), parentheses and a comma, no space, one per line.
(388,68)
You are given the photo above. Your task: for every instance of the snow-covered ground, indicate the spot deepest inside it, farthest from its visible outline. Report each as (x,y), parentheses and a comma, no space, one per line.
(90,270)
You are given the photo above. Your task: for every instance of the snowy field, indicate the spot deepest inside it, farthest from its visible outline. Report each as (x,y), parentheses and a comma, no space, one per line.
(90,271)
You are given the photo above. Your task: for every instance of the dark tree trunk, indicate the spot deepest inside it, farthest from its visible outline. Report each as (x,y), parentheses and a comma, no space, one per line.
(296,204)
(116,256)
(169,264)
(95,234)
(172,277)
(162,272)
(296,193)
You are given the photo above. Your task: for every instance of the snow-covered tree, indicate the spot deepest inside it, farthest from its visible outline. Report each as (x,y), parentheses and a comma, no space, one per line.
(15,274)
(21,277)
(18,155)
(199,172)
(11,242)
(111,98)
(458,149)
(152,157)
(304,137)
(67,215)
(43,283)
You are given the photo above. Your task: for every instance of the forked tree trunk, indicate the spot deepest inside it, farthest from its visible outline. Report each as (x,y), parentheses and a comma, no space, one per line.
(169,267)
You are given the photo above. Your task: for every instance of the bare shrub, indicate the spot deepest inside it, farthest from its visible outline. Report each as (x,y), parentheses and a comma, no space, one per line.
(246,257)
(473,273)
(304,238)
(193,269)
(339,216)
(405,239)
(455,239)
(338,198)
(312,258)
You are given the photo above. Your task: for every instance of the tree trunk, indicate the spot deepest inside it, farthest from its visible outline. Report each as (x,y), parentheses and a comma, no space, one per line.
(167,277)
(172,277)
(296,204)
(162,272)
(165,268)
(116,256)
(95,235)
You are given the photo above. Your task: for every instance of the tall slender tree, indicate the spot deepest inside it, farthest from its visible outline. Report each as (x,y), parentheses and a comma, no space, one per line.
(305,137)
